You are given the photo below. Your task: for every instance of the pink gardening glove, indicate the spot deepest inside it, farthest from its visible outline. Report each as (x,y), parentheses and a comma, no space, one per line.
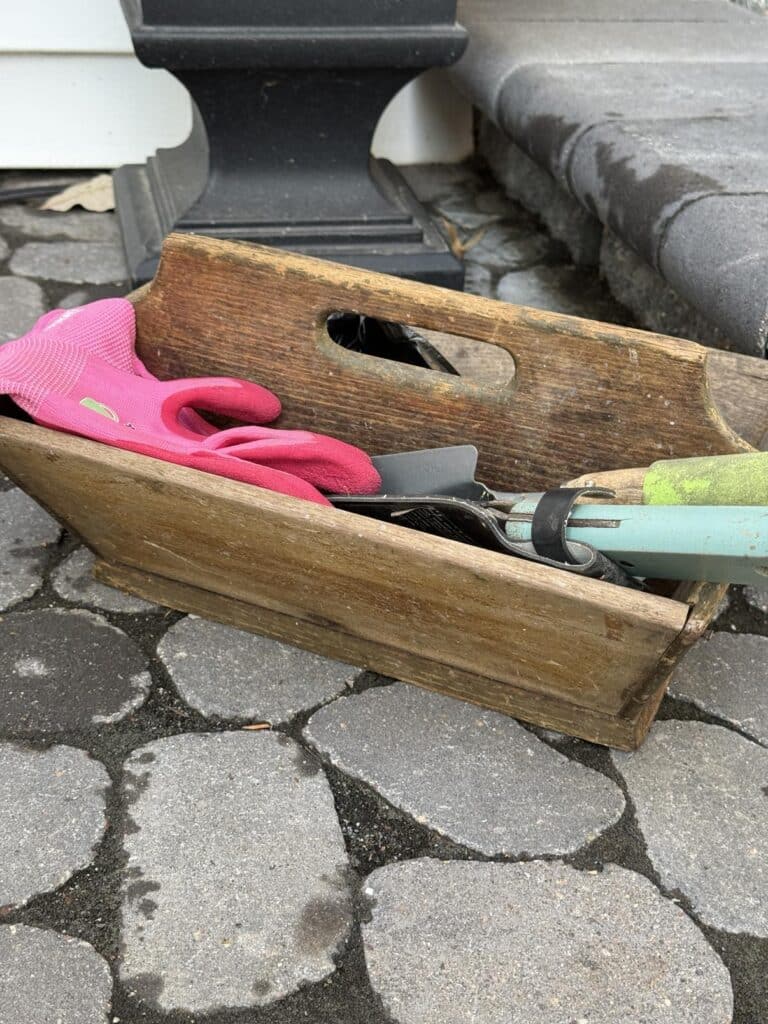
(107,329)
(63,385)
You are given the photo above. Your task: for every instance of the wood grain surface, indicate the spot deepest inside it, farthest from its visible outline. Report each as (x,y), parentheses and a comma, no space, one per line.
(574,654)
(586,396)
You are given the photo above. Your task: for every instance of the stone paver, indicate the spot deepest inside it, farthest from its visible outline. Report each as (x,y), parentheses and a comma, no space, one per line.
(475,776)
(79,226)
(67,670)
(434,182)
(457,943)
(26,531)
(477,280)
(727,676)
(74,262)
(561,289)
(536,189)
(235,881)
(505,246)
(47,978)
(758,598)
(465,213)
(190,794)
(73,580)
(475,359)
(4,249)
(52,805)
(700,794)
(21,303)
(233,674)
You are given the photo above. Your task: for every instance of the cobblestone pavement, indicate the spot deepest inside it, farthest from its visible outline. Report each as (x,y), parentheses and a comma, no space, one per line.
(370,852)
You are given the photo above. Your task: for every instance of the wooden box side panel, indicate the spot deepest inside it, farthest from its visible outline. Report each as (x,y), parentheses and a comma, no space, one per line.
(465,610)
(618,731)
(586,396)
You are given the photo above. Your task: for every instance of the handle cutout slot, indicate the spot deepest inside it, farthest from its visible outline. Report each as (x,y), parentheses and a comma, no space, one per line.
(437,351)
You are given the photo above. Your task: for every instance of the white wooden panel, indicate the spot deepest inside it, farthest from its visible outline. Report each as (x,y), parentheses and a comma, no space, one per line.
(428,121)
(87,111)
(63,26)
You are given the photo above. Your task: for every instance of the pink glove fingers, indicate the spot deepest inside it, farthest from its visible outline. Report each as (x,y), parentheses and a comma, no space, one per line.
(326,462)
(227,396)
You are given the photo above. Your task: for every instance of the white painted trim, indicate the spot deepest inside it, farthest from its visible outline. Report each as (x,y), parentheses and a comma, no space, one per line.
(64,26)
(70,111)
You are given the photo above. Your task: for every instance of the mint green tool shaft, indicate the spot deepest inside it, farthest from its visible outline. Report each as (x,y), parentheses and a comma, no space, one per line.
(720,544)
(714,480)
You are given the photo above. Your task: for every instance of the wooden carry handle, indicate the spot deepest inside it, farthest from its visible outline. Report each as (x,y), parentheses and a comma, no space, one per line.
(585,396)
(627,485)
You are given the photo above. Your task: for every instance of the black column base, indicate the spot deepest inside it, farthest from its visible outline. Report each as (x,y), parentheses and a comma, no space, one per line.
(401,240)
(286,98)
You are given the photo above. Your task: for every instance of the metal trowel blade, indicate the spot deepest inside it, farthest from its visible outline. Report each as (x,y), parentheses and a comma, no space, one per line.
(448,471)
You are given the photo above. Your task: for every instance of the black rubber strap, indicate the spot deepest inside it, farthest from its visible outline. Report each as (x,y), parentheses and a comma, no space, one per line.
(550,519)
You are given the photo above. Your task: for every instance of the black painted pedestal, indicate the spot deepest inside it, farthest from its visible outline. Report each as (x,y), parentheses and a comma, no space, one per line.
(285,109)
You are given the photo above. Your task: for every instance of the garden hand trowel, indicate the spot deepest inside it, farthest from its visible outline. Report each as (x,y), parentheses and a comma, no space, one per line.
(435,491)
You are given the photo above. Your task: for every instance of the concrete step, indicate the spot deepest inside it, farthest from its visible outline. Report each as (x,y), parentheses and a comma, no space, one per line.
(648,120)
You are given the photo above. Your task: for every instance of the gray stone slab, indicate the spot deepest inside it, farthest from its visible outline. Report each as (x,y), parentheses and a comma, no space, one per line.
(475,776)
(233,674)
(655,304)
(476,360)
(527,182)
(498,47)
(560,289)
(73,262)
(757,598)
(509,245)
(49,978)
(52,806)
(432,182)
(235,885)
(635,176)
(727,676)
(21,303)
(539,943)
(548,108)
(78,225)
(511,11)
(72,300)
(66,670)
(727,281)
(700,795)
(477,280)
(74,581)
(463,213)
(26,534)
(4,249)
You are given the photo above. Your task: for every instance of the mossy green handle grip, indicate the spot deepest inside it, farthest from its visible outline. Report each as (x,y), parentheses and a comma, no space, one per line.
(715,480)
(712,480)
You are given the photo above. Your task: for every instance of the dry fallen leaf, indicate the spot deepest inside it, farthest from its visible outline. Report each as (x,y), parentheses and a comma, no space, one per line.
(457,247)
(96,194)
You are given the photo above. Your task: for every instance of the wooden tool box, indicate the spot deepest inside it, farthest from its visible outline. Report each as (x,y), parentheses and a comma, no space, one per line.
(577,655)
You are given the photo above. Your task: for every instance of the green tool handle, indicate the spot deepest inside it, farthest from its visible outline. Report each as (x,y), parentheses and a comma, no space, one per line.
(711,480)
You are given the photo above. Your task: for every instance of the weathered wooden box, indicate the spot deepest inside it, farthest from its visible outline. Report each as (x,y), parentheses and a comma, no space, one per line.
(577,655)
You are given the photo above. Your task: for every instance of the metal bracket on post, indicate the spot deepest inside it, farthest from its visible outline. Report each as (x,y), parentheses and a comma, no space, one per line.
(286,99)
